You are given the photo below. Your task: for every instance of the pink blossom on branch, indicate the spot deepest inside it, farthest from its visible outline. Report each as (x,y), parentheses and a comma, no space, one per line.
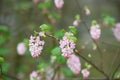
(85,73)
(95,31)
(59,3)
(76,23)
(73,62)
(35,76)
(21,48)
(116,31)
(67,46)
(36,46)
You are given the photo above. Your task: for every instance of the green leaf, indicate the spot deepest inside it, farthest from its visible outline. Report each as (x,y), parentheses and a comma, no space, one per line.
(72,38)
(3,28)
(56,52)
(44,5)
(3,51)
(5,67)
(73,29)
(67,72)
(77,17)
(94,22)
(59,34)
(1,59)
(44,27)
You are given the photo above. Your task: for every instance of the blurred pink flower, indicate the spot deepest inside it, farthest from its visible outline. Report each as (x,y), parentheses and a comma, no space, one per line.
(35,46)
(35,76)
(74,64)
(116,31)
(67,46)
(75,23)
(95,32)
(21,48)
(59,3)
(85,73)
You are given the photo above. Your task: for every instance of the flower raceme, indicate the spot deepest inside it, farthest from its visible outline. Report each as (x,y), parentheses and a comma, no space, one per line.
(59,3)
(67,46)
(36,45)
(95,31)
(74,64)
(116,31)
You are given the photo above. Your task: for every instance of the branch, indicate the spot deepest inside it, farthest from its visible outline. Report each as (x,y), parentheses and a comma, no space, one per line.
(76,51)
(115,71)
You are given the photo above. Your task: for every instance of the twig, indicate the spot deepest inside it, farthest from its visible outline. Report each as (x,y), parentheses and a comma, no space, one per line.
(114,58)
(55,72)
(115,70)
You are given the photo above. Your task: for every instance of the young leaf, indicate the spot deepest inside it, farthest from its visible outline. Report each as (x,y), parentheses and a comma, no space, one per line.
(1,59)
(44,27)
(73,29)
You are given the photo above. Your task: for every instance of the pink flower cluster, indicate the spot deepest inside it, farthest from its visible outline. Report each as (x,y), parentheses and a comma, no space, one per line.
(116,31)
(36,45)
(74,64)
(95,31)
(35,76)
(67,46)
(85,73)
(59,3)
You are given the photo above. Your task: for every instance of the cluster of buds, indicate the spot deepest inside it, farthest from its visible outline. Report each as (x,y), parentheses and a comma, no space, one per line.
(36,45)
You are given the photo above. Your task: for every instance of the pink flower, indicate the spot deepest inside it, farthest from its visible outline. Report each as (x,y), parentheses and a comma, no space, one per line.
(21,48)
(67,46)
(85,73)
(35,46)
(95,32)
(76,23)
(74,64)
(35,76)
(116,31)
(59,3)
